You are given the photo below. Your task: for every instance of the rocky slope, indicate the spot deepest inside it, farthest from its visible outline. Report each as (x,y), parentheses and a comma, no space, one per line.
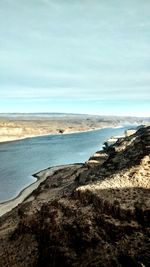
(86,215)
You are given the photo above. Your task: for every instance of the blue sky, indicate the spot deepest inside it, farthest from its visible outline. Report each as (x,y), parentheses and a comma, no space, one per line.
(83,56)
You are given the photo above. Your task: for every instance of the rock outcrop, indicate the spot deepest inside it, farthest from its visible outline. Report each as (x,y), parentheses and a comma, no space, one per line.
(95,214)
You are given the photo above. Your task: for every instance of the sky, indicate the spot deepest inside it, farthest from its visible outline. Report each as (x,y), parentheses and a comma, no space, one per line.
(77,56)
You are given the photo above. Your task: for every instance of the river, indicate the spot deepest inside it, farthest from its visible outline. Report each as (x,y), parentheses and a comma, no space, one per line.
(20,159)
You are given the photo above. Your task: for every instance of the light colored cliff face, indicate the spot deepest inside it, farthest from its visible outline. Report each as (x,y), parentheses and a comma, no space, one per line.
(86,216)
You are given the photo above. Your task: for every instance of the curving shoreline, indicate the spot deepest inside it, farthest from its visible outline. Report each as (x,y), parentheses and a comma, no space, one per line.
(41,177)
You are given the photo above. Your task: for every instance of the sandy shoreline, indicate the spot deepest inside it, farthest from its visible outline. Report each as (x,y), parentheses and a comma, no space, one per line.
(6,140)
(66,132)
(13,128)
(41,176)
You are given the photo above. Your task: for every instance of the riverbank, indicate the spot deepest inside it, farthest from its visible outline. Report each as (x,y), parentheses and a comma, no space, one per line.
(26,192)
(20,127)
(6,139)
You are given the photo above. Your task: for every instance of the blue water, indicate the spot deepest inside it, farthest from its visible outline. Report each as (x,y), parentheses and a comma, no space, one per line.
(20,159)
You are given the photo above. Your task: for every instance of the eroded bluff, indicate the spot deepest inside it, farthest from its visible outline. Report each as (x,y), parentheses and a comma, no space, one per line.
(86,215)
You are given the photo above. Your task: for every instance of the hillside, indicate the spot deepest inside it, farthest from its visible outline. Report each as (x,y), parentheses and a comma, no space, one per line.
(92,214)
